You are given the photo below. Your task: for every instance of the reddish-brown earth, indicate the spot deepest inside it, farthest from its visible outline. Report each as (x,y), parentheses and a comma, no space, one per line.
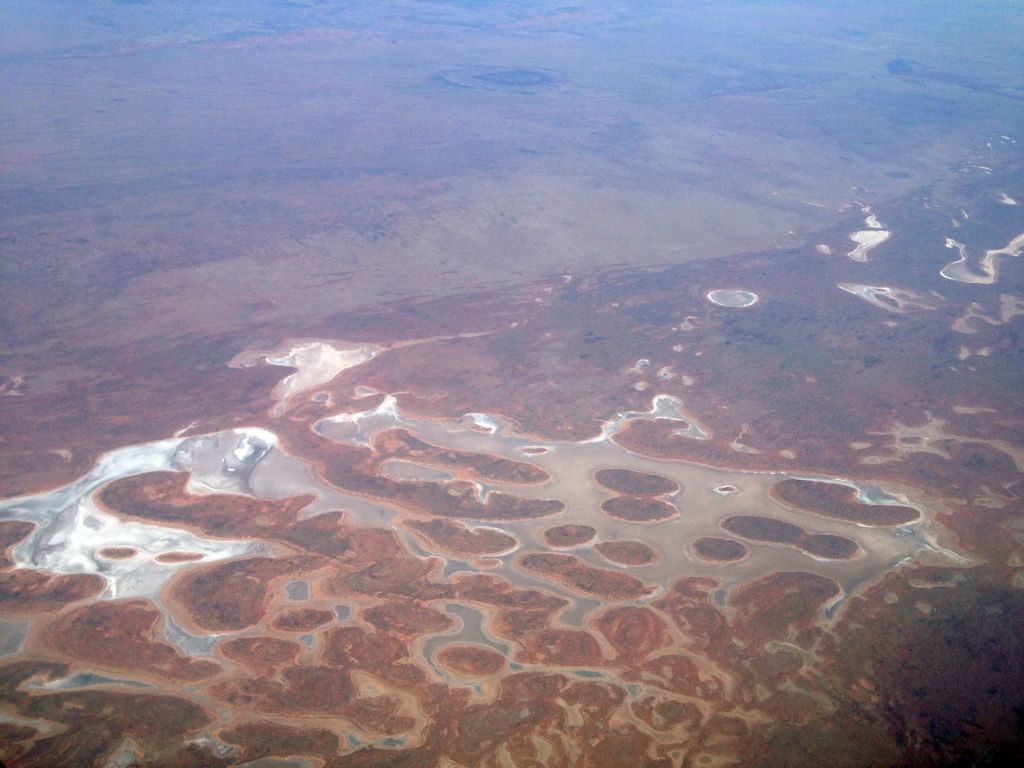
(407,618)
(357,469)
(118,553)
(829,546)
(471,660)
(689,603)
(768,529)
(629,482)
(314,691)
(719,550)
(233,595)
(301,619)
(121,635)
(560,648)
(12,532)
(840,501)
(28,591)
(263,654)
(401,444)
(627,552)
(679,674)
(758,528)
(265,738)
(637,509)
(575,574)
(634,633)
(569,535)
(160,497)
(458,539)
(682,718)
(178,557)
(783,603)
(92,723)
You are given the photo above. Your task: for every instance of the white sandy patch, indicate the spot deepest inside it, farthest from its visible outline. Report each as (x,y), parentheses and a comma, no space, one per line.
(1005,199)
(388,408)
(316,362)
(988,266)
(891,299)
(866,240)
(12,387)
(252,441)
(733,298)
(742,448)
(823,249)
(663,407)
(871,222)
(1010,306)
(958,270)
(221,463)
(481,422)
(359,427)
(970,410)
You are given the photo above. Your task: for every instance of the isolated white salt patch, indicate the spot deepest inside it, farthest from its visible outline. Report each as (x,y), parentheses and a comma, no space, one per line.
(866,240)
(315,361)
(970,410)
(388,408)
(1005,199)
(871,222)
(891,299)
(733,298)
(823,249)
(221,463)
(742,448)
(358,427)
(666,407)
(482,422)
(246,449)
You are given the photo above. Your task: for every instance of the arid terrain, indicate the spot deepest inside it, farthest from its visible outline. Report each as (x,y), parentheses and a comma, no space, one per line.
(280,491)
